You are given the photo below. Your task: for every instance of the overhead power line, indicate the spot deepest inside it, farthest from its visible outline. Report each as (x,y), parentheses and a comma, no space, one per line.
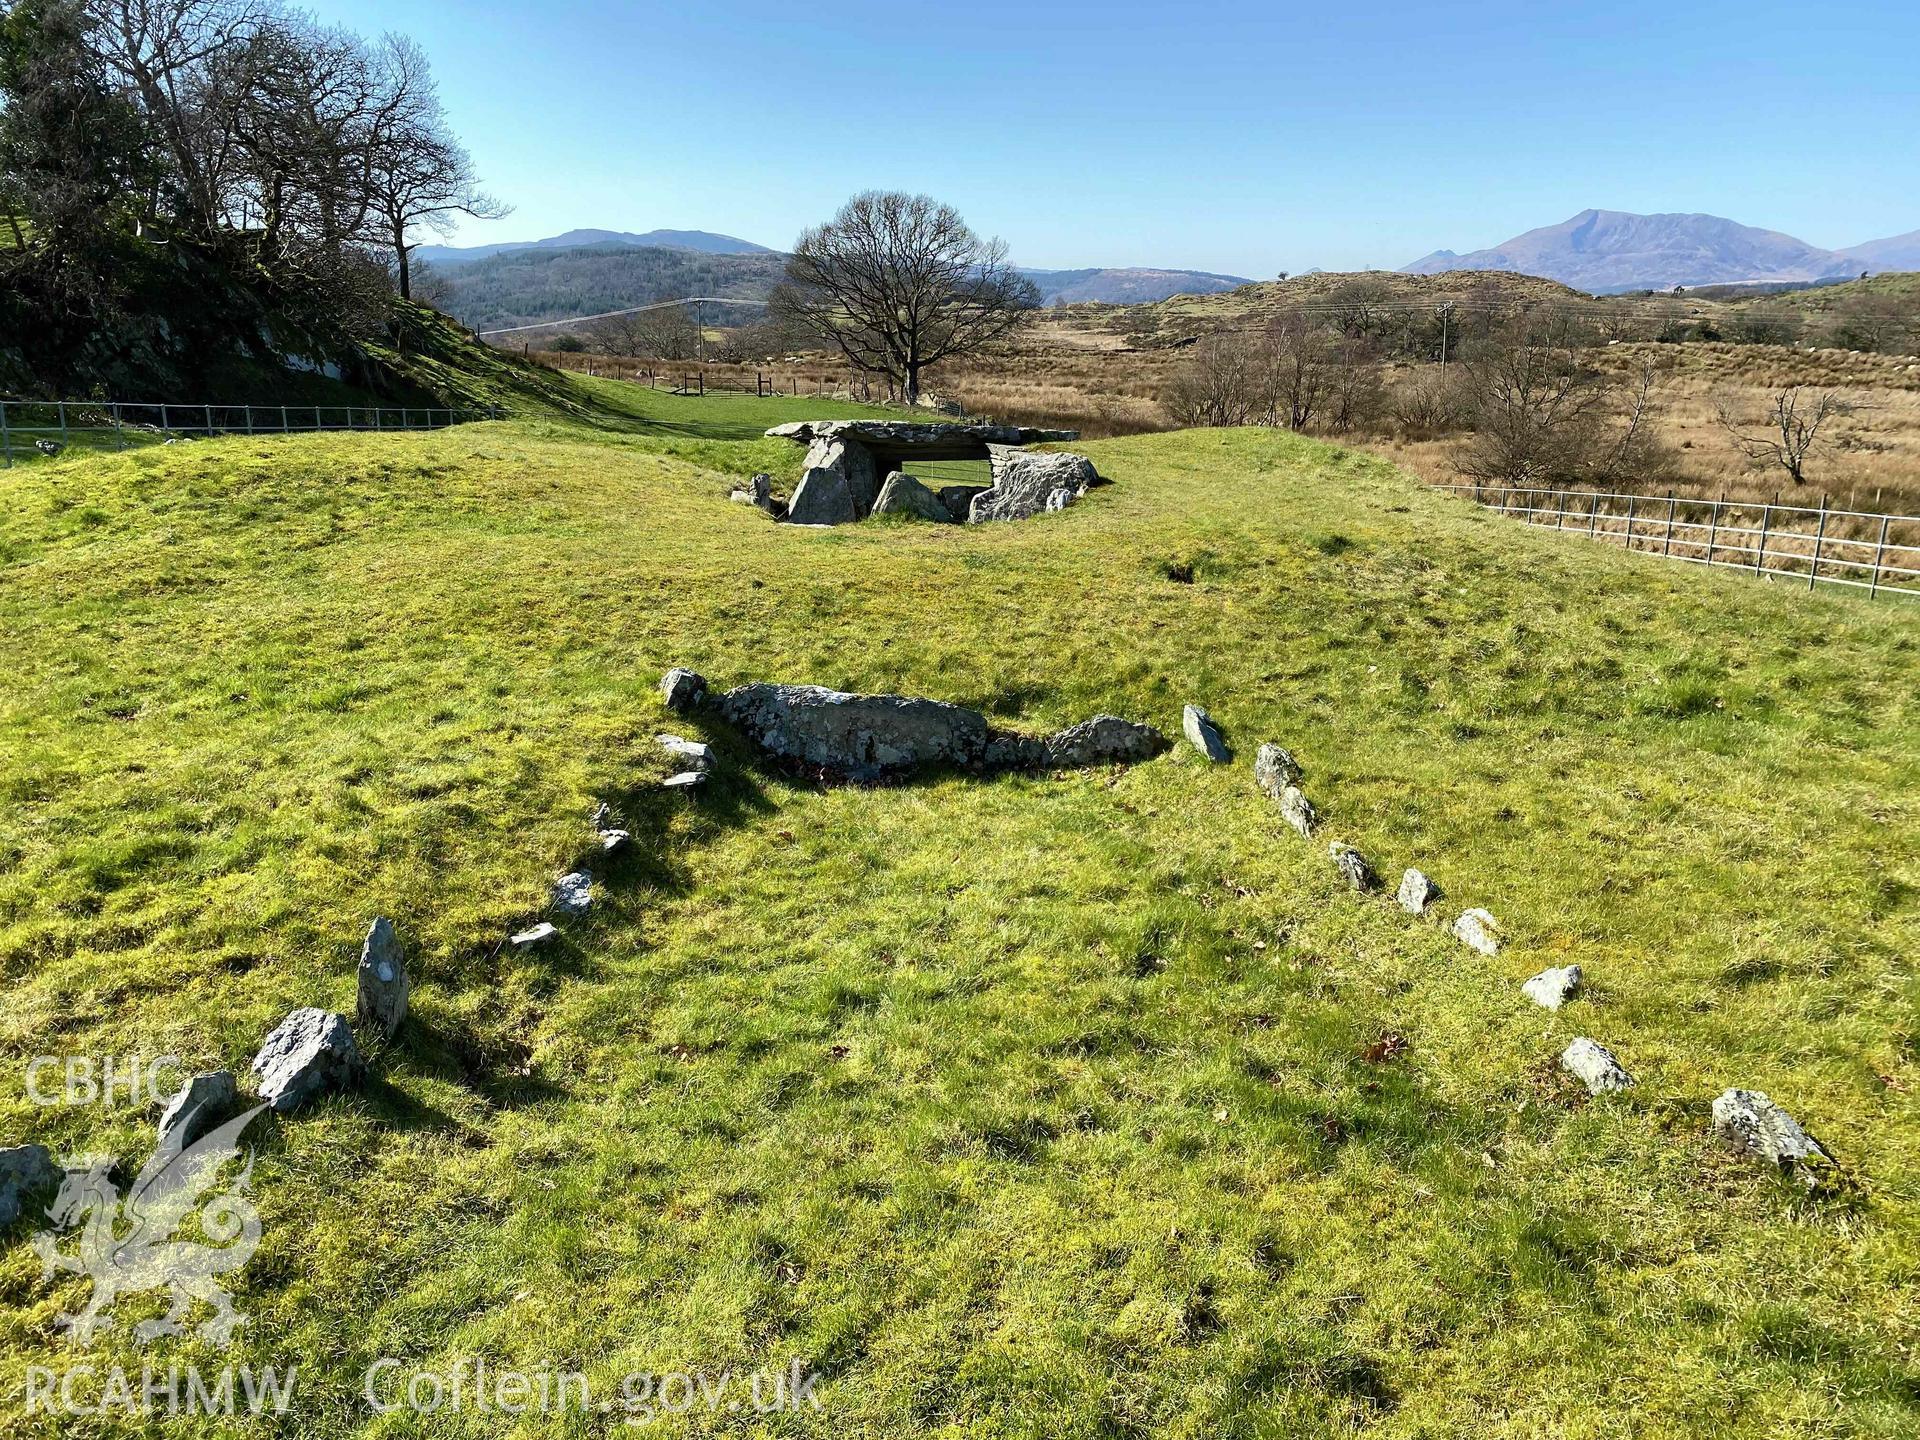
(631,310)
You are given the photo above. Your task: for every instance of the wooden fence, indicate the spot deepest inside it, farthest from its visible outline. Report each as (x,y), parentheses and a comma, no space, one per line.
(1862,549)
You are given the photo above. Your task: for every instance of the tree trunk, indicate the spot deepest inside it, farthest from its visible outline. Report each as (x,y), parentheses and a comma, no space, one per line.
(913,383)
(401,252)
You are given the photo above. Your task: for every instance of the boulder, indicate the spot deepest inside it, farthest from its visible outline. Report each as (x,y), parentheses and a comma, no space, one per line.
(383,984)
(1026,485)
(1103,740)
(853,463)
(573,893)
(1479,931)
(1753,1124)
(1353,868)
(757,492)
(959,500)
(1298,811)
(533,935)
(860,737)
(904,495)
(1274,769)
(697,755)
(25,1171)
(199,1106)
(1552,988)
(1199,728)
(822,498)
(1416,892)
(683,690)
(308,1053)
(1594,1066)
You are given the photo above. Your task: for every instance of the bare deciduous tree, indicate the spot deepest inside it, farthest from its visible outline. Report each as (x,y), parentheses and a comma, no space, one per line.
(665,333)
(1791,431)
(897,283)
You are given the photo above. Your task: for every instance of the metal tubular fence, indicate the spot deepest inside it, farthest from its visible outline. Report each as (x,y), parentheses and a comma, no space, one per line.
(50,426)
(1862,549)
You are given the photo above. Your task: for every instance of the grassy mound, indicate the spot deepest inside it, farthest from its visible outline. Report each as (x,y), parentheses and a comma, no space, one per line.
(1050,1105)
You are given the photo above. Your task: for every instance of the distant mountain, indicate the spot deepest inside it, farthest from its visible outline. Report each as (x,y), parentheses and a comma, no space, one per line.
(1126,286)
(704,241)
(1607,251)
(534,283)
(1897,252)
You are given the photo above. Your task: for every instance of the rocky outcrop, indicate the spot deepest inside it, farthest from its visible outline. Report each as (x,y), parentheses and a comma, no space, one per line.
(308,1053)
(1552,988)
(1204,735)
(384,988)
(25,1171)
(822,498)
(904,495)
(1026,485)
(1754,1125)
(1594,1066)
(1416,892)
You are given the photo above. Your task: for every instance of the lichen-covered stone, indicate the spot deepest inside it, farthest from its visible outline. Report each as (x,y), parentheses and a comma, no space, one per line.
(1353,868)
(308,1053)
(1750,1122)
(1479,931)
(1594,1066)
(1274,769)
(904,495)
(1416,892)
(1552,988)
(1298,811)
(200,1105)
(683,690)
(384,987)
(1197,725)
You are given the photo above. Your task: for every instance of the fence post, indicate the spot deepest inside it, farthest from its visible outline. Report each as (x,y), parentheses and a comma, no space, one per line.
(164,426)
(1593,514)
(1713,526)
(209,422)
(6,438)
(247,410)
(1766,524)
(1813,570)
(316,418)
(62,405)
(1879,555)
(1668,551)
(119,430)
(283,419)
(1630,499)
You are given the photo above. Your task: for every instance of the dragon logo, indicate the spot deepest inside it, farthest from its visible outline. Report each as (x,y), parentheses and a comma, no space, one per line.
(128,1245)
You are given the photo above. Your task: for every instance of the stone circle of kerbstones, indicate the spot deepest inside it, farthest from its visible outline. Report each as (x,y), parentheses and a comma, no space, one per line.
(573,893)
(1594,1066)
(308,1053)
(1478,930)
(1275,769)
(1353,868)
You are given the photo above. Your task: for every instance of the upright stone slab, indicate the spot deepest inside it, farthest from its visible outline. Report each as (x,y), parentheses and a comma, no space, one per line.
(200,1105)
(683,690)
(26,1171)
(1551,989)
(1025,485)
(1478,930)
(308,1053)
(384,987)
(1274,769)
(904,495)
(852,461)
(1298,811)
(1416,892)
(1353,868)
(821,498)
(1204,735)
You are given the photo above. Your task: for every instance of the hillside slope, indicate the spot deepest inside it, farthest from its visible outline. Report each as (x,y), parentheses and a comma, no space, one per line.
(1079,1104)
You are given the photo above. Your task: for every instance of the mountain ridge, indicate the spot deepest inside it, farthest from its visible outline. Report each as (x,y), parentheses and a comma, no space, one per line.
(1608,251)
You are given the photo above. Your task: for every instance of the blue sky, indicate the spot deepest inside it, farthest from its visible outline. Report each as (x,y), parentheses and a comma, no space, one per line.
(1246,138)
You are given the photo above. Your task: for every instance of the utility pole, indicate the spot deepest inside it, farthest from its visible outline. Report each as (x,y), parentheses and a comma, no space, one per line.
(1446,313)
(699,333)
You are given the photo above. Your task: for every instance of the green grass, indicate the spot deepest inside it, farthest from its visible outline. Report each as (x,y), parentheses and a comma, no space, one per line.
(1031,1106)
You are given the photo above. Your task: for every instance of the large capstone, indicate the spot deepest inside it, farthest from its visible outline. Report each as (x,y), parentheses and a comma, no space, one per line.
(1752,1123)
(822,498)
(25,1171)
(1204,735)
(1026,485)
(384,987)
(201,1104)
(308,1053)
(861,737)
(1594,1066)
